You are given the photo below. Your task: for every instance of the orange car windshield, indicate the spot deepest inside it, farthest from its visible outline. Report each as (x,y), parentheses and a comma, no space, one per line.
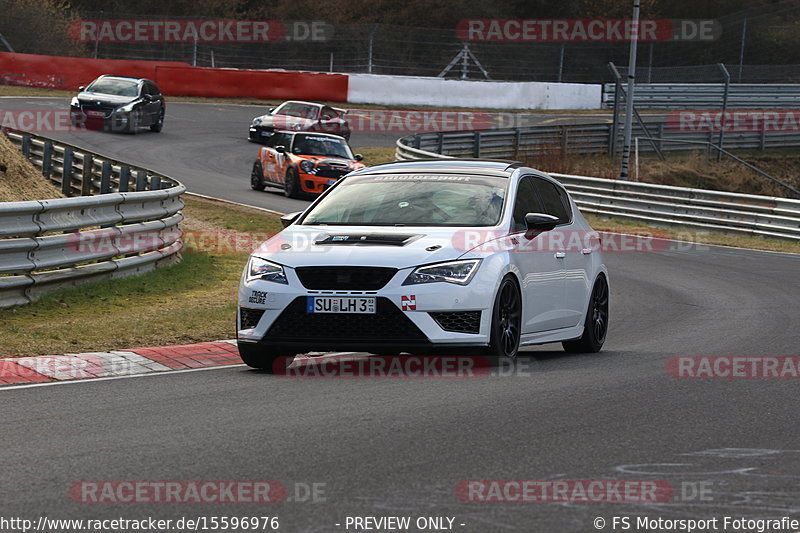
(321,146)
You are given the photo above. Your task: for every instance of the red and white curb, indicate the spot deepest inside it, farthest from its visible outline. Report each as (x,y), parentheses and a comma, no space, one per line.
(54,368)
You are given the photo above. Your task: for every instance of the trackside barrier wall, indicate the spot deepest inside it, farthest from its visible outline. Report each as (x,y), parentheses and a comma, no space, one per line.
(105,234)
(408,90)
(692,209)
(68,73)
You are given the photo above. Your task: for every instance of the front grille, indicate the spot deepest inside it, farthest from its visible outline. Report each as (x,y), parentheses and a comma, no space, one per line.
(331,173)
(388,324)
(345,278)
(106,109)
(459,321)
(249,317)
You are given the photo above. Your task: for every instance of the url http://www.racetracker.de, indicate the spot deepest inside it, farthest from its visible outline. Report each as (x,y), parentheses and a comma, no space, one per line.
(148,524)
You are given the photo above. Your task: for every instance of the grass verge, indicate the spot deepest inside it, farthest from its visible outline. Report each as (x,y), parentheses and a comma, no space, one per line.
(192,301)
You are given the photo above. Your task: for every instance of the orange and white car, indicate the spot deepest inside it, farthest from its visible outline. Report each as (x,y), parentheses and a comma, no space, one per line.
(301,163)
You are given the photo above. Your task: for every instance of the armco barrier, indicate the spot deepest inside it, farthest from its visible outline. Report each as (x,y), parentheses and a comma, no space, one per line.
(128,225)
(692,209)
(68,73)
(710,96)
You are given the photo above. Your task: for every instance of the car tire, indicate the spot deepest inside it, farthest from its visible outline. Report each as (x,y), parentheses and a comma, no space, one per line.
(159,125)
(257,357)
(506,321)
(257,177)
(292,183)
(595,326)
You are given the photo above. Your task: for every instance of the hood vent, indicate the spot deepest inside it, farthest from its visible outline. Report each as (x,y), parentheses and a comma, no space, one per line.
(366,239)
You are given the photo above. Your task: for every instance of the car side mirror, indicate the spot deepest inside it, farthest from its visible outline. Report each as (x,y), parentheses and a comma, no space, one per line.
(359,157)
(539,222)
(147,97)
(281,149)
(270,110)
(287,219)
(81,88)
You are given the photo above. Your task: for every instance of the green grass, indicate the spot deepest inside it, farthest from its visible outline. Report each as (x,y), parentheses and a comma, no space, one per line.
(191,301)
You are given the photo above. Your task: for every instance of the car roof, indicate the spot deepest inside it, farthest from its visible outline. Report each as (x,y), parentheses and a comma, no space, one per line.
(487,167)
(314,133)
(115,77)
(314,104)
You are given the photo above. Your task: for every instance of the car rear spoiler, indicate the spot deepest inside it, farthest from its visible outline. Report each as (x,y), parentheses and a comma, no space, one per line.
(340,110)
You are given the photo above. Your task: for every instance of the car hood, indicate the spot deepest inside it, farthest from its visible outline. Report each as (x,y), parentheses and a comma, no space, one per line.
(284,122)
(398,247)
(107,99)
(335,162)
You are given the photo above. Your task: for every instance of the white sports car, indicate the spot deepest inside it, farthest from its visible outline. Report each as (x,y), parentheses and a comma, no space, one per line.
(427,257)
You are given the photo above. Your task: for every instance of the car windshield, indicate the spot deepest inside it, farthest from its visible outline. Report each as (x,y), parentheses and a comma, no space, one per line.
(291,109)
(114,87)
(319,145)
(412,200)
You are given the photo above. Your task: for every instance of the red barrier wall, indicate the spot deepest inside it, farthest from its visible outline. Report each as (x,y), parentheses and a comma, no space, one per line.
(68,73)
(266,84)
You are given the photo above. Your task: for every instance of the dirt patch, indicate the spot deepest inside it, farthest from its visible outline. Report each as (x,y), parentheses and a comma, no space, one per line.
(19,179)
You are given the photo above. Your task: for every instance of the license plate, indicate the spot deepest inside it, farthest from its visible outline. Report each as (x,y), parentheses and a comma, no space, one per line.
(336,304)
(95,113)
(265,133)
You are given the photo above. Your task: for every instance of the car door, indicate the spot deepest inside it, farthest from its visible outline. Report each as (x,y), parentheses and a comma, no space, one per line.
(577,245)
(151,106)
(541,267)
(268,156)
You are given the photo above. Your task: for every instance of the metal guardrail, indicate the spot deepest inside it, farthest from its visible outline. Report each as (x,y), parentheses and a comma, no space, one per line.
(580,139)
(710,96)
(125,223)
(693,209)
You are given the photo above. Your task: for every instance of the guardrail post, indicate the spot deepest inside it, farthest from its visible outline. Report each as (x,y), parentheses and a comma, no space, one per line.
(124,178)
(86,175)
(47,159)
(517,137)
(476,149)
(155,183)
(763,139)
(105,178)
(141,181)
(440,143)
(564,140)
(26,146)
(66,175)
(660,143)
(417,141)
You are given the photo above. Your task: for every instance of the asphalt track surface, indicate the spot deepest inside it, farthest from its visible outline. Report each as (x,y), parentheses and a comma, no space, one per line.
(399,447)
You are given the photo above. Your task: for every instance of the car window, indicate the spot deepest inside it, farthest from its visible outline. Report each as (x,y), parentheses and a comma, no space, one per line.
(297,110)
(116,87)
(321,145)
(328,114)
(553,199)
(151,89)
(280,139)
(526,202)
(412,200)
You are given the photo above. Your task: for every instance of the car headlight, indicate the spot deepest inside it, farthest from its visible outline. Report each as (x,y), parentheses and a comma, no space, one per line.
(127,108)
(306,166)
(460,272)
(256,121)
(75,102)
(259,268)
